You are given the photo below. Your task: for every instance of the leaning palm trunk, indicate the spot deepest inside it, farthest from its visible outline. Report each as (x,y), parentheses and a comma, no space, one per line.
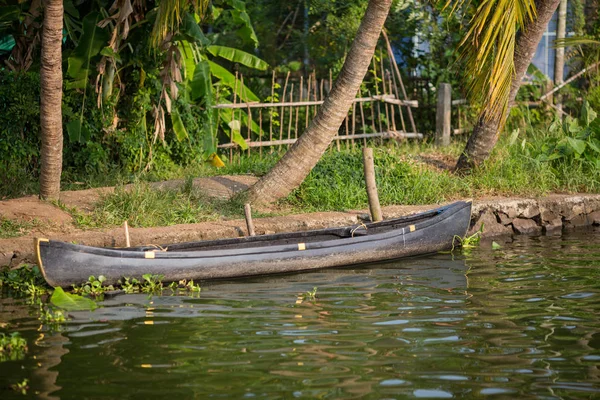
(486,131)
(51,100)
(300,159)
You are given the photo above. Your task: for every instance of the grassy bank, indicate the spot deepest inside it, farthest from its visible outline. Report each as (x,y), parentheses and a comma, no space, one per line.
(406,174)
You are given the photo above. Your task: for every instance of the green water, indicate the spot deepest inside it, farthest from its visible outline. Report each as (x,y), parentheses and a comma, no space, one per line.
(519,322)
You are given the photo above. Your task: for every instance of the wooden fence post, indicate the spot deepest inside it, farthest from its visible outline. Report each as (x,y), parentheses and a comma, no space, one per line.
(371,185)
(442,125)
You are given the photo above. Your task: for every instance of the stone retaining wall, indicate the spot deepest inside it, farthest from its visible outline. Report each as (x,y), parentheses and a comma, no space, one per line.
(548,215)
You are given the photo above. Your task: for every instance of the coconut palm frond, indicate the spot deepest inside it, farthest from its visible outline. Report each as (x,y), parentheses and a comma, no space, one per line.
(487,51)
(576,41)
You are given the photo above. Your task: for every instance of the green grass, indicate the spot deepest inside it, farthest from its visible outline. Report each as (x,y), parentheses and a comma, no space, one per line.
(10,228)
(144,206)
(337,182)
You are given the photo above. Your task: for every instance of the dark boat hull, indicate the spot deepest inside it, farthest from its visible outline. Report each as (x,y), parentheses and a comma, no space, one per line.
(64,264)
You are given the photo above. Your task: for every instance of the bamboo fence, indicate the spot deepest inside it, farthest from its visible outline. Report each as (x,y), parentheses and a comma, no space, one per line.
(382,111)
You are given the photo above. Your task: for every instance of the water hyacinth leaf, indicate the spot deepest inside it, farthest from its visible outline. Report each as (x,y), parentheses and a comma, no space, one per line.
(92,40)
(238,56)
(228,79)
(71,302)
(178,126)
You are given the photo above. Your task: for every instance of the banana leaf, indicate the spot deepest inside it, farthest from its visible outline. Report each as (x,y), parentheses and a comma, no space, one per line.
(238,56)
(228,79)
(91,42)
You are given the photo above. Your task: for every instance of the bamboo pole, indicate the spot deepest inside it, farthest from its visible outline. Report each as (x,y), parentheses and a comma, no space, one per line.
(384,90)
(383,135)
(233,117)
(291,113)
(388,98)
(298,109)
(397,70)
(249,222)
(392,107)
(308,86)
(260,130)
(271,109)
(353,122)
(362,122)
(369,166)
(287,77)
(571,79)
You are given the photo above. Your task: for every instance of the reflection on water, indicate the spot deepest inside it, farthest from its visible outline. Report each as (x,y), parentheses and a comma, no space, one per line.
(522,321)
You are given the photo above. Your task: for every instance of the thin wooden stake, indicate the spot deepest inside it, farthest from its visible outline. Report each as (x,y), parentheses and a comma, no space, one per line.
(369,165)
(271,110)
(287,77)
(362,122)
(391,53)
(249,223)
(260,131)
(298,111)
(127,240)
(233,117)
(291,113)
(308,86)
(353,122)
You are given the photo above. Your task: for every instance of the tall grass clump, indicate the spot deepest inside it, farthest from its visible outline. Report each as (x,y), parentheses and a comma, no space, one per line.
(144,206)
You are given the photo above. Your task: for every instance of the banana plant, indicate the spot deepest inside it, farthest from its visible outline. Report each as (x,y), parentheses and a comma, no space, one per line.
(200,57)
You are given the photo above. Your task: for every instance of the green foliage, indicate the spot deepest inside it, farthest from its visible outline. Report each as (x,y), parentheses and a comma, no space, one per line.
(311,294)
(71,302)
(93,287)
(51,317)
(19,131)
(24,281)
(571,140)
(152,283)
(21,387)
(12,347)
(468,242)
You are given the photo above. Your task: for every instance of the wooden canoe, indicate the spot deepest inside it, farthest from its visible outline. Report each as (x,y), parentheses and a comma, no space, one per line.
(64,264)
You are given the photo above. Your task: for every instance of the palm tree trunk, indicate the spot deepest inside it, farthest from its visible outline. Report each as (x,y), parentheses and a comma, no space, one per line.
(487,130)
(559,58)
(51,100)
(300,159)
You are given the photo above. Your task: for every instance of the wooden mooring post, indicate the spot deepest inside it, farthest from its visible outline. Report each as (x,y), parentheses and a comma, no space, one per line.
(249,222)
(442,121)
(369,165)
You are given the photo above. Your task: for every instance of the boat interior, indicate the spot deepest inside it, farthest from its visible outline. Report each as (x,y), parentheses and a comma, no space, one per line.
(319,235)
